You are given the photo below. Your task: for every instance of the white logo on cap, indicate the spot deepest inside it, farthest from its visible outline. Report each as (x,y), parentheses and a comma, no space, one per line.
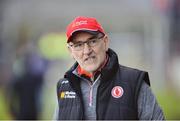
(79,23)
(117,92)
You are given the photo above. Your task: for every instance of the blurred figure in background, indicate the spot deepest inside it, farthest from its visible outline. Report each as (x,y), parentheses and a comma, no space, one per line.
(26,86)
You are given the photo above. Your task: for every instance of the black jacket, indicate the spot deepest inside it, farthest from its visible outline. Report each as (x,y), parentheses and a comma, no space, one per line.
(108,107)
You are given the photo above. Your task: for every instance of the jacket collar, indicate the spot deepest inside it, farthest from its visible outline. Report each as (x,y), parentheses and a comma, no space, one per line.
(111,68)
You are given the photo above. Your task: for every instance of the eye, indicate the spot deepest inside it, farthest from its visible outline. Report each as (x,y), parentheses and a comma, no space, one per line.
(93,41)
(78,45)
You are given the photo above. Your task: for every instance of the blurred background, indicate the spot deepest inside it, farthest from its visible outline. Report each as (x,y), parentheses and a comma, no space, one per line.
(33,55)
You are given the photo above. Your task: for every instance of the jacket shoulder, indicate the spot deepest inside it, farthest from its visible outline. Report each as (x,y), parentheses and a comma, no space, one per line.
(62,81)
(129,69)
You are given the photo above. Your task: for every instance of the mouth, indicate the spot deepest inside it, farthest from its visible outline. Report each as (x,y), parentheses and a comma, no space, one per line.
(90,58)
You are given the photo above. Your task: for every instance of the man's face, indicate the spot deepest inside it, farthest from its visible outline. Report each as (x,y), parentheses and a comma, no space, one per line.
(89,50)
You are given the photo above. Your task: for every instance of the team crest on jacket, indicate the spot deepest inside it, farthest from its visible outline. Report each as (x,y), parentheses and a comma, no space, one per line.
(117,92)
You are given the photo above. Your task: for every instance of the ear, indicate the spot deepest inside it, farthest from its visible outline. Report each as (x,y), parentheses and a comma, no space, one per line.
(106,40)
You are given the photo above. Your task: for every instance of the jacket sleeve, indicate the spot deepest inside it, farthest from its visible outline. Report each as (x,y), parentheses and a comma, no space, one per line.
(148,108)
(56,111)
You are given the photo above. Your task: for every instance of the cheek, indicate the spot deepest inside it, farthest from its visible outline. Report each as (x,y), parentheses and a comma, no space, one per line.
(101,55)
(101,50)
(77,56)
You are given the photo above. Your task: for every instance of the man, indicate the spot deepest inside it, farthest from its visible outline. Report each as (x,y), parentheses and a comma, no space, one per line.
(97,87)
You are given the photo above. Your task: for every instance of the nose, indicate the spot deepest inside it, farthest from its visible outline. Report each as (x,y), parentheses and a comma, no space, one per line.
(87,49)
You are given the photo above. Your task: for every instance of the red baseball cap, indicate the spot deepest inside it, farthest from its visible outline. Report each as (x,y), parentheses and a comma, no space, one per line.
(82,23)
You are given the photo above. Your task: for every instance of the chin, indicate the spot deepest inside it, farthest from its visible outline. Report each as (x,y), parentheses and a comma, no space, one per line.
(91,68)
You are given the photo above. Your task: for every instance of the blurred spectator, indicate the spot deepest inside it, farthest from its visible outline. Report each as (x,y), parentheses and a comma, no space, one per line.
(26,86)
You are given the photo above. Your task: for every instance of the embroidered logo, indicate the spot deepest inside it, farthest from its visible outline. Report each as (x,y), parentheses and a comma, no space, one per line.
(117,92)
(64,82)
(78,23)
(67,94)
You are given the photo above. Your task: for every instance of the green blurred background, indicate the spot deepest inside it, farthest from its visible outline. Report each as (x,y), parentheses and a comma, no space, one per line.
(144,33)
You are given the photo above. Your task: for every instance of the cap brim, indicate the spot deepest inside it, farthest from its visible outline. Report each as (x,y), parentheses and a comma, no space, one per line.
(88,31)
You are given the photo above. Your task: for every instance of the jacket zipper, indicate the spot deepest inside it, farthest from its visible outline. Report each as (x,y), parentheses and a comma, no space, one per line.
(97,103)
(90,96)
